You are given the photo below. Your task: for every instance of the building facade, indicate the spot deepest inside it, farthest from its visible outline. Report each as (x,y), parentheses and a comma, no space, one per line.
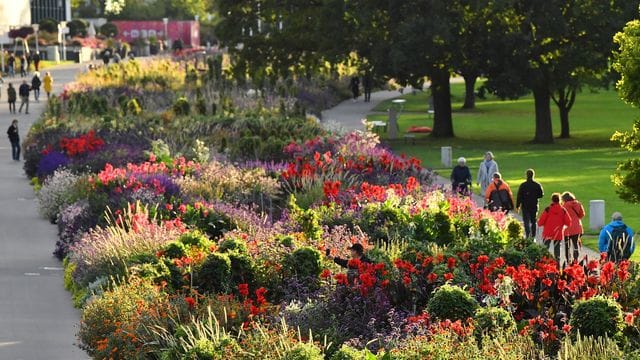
(60,10)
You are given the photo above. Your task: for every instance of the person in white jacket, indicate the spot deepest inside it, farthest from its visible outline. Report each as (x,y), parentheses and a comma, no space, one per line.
(485,173)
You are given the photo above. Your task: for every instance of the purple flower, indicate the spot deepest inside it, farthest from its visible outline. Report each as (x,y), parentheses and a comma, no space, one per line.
(51,162)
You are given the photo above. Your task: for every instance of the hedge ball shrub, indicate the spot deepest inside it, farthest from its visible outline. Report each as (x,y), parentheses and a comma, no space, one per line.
(175,250)
(303,351)
(491,321)
(303,262)
(195,238)
(215,273)
(347,352)
(232,244)
(597,316)
(453,303)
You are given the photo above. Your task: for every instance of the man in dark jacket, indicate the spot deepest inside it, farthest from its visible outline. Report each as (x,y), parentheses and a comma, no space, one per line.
(23,91)
(527,200)
(357,253)
(12,97)
(14,138)
(461,178)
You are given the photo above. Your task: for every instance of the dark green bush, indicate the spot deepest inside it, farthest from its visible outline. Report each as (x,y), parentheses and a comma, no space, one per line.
(453,303)
(491,321)
(232,244)
(109,29)
(214,274)
(515,230)
(304,262)
(175,250)
(597,316)
(182,106)
(242,268)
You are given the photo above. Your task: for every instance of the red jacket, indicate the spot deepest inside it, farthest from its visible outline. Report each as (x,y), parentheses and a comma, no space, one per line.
(576,213)
(554,219)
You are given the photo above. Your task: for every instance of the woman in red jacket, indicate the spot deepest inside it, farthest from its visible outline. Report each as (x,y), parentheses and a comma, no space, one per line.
(554,219)
(573,234)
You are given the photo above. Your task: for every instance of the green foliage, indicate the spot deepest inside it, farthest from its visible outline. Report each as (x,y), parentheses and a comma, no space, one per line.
(214,274)
(490,321)
(590,348)
(49,25)
(451,302)
(598,316)
(133,107)
(303,351)
(515,230)
(304,262)
(196,239)
(182,106)
(243,269)
(349,353)
(627,62)
(175,250)
(231,244)
(109,29)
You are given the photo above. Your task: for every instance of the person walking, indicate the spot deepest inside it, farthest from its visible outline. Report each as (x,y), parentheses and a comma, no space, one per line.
(367,84)
(12,65)
(11,96)
(529,193)
(23,91)
(554,219)
(461,178)
(35,86)
(14,138)
(616,239)
(23,66)
(573,234)
(29,60)
(355,87)
(36,61)
(48,84)
(488,167)
(498,196)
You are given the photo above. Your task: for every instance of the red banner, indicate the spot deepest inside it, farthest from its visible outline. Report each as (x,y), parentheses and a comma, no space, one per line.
(187,31)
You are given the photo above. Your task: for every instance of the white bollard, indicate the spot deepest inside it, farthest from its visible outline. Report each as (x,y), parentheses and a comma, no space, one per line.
(596,214)
(446,155)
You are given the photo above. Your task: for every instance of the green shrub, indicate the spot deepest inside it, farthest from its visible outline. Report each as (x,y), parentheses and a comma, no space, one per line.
(304,262)
(444,231)
(597,316)
(232,244)
(303,351)
(242,268)
(348,353)
(451,302)
(491,320)
(515,230)
(175,250)
(195,239)
(182,106)
(214,274)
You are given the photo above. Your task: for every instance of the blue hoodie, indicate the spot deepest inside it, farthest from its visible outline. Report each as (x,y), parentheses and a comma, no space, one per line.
(605,236)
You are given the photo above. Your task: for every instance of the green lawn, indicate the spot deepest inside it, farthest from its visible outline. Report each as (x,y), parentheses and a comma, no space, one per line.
(582,164)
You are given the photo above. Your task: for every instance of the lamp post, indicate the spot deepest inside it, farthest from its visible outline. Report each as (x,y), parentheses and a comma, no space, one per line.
(36,27)
(165,21)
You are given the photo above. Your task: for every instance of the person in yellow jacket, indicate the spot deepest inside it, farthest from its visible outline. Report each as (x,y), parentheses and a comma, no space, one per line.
(48,84)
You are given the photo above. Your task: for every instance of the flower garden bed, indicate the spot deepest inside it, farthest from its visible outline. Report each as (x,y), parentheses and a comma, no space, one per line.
(177,256)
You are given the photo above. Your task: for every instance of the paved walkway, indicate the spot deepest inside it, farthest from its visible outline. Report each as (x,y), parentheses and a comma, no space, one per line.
(349,115)
(37,318)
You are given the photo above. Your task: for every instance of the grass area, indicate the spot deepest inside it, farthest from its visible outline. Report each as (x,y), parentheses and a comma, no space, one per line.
(47,64)
(582,164)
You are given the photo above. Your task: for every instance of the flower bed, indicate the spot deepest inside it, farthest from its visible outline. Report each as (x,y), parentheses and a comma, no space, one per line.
(183,257)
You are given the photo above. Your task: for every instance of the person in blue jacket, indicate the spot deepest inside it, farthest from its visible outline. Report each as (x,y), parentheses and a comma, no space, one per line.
(617,231)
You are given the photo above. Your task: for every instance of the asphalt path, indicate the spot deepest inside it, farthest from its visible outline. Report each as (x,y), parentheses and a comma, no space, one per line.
(37,318)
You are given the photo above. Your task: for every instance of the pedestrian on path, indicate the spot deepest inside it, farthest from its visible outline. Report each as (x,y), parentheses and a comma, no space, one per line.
(616,239)
(23,91)
(485,173)
(355,87)
(11,98)
(14,138)
(29,60)
(498,196)
(461,178)
(529,193)
(23,66)
(554,219)
(367,84)
(12,65)
(48,84)
(35,86)
(573,234)
(36,61)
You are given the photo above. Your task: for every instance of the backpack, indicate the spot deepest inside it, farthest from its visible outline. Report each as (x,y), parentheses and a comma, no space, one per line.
(619,244)
(500,198)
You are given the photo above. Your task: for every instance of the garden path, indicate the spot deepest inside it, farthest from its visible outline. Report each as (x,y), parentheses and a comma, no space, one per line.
(348,115)
(37,318)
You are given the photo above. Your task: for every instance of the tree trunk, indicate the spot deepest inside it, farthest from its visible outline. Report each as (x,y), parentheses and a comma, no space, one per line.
(564,122)
(564,98)
(441,91)
(470,91)
(544,130)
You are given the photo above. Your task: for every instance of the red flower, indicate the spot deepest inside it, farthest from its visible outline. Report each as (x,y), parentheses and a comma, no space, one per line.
(566,328)
(483,259)
(326,273)
(341,279)
(628,318)
(243,289)
(432,277)
(406,280)
(448,276)
(191,302)
(451,263)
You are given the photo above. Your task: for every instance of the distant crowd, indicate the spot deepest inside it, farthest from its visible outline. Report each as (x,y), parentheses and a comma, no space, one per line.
(561,220)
